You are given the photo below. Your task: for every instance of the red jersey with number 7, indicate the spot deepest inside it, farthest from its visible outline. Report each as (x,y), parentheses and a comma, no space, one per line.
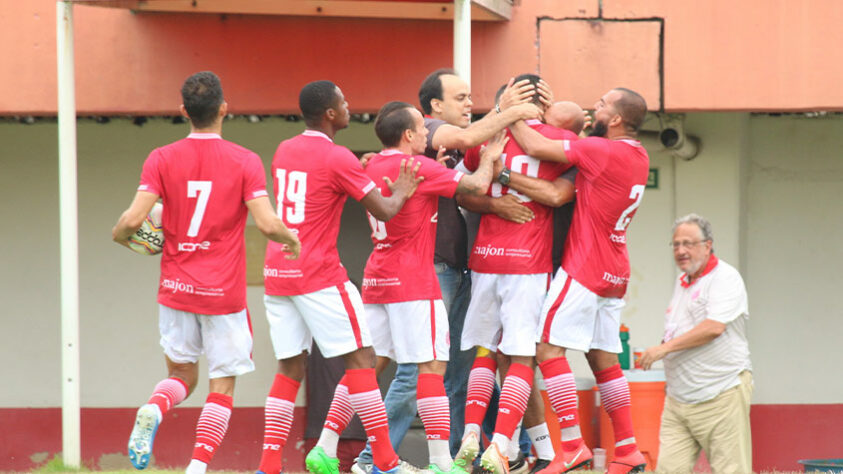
(204,183)
(313,177)
(610,184)
(400,267)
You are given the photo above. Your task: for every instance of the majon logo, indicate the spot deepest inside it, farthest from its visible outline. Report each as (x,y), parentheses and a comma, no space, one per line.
(489,251)
(177,286)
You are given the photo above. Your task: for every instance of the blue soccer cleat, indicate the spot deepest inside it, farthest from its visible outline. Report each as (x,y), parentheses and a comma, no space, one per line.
(143,434)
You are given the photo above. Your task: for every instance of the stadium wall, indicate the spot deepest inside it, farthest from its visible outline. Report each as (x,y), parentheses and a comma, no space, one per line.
(769,184)
(720,55)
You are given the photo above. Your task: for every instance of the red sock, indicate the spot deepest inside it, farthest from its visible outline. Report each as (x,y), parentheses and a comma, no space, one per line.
(341,411)
(614,396)
(366,399)
(562,392)
(211,427)
(481,382)
(514,396)
(433,407)
(168,393)
(278,418)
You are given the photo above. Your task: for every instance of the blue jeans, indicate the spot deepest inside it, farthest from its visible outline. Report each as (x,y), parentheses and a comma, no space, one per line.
(400,399)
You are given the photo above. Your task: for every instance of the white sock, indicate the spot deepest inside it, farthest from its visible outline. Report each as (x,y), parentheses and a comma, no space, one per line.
(440,454)
(626,441)
(571,433)
(328,441)
(540,436)
(514,448)
(196,467)
(472,428)
(502,442)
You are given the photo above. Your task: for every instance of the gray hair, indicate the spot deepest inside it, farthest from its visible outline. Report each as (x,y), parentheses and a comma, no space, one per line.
(700,221)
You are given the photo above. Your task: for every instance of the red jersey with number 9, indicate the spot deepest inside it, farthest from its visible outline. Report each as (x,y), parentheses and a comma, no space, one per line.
(204,183)
(313,177)
(400,267)
(610,184)
(508,248)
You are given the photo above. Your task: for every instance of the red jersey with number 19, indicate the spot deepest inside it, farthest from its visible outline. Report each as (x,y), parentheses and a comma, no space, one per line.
(508,248)
(610,184)
(400,267)
(313,178)
(204,183)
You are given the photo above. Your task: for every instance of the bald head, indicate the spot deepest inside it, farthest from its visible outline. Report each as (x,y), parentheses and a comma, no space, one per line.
(565,114)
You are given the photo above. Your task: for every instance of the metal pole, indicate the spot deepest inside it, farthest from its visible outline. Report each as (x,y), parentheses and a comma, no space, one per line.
(462,39)
(69,240)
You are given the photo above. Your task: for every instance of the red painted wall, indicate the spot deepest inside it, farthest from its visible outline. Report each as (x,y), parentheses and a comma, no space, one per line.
(105,434)
(781,435)
(720,55)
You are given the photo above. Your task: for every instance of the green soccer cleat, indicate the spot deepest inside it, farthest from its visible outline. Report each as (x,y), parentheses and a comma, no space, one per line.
(455,469)
(318,462)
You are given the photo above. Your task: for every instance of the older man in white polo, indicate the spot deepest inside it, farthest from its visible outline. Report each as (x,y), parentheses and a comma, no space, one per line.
(706,359)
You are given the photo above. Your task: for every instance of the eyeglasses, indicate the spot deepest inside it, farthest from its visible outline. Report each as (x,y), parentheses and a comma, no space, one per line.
(684,244)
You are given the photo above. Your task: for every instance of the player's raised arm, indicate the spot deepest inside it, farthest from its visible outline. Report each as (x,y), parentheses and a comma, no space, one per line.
(550,193)
(507,207)
(478,182)
(453,137)
(270,225)
(132,218)
(402,188)
(538,146)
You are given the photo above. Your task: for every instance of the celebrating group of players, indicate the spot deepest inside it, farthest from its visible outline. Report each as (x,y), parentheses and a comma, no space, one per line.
(521,160)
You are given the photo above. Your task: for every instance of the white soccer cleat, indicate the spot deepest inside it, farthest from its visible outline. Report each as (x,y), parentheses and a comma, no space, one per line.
(469,449)
(143,434)
(493,461)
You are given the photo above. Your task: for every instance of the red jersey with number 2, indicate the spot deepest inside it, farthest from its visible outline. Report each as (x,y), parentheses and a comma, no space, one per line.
(313,177)
(508,248)
(204,183)
(400,267)
(610,184)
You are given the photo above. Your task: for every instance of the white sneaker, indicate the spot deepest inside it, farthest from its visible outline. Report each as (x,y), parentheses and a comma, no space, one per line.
(360,467)
(143,434)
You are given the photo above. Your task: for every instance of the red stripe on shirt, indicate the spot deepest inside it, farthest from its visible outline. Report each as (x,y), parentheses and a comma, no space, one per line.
(352,315)
(553,308)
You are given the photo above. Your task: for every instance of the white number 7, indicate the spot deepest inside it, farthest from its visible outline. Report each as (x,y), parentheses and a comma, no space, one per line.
(202,191)
(636,193)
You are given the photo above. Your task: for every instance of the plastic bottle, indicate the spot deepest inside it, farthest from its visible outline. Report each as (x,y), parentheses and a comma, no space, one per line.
(624,355)
(599,459)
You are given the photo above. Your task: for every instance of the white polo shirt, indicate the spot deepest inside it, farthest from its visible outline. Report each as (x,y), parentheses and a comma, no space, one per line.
(701,373)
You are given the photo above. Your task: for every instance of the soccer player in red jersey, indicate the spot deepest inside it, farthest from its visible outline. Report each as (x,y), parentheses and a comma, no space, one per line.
(311,298)
(511,269)
(582,309)
(401,292)
(207,185)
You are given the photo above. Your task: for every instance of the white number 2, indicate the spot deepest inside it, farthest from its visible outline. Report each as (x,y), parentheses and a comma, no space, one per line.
(201,190)
(295,185)
(636,193)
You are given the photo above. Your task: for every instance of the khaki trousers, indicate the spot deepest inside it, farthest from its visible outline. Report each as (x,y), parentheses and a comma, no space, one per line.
(719,426)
